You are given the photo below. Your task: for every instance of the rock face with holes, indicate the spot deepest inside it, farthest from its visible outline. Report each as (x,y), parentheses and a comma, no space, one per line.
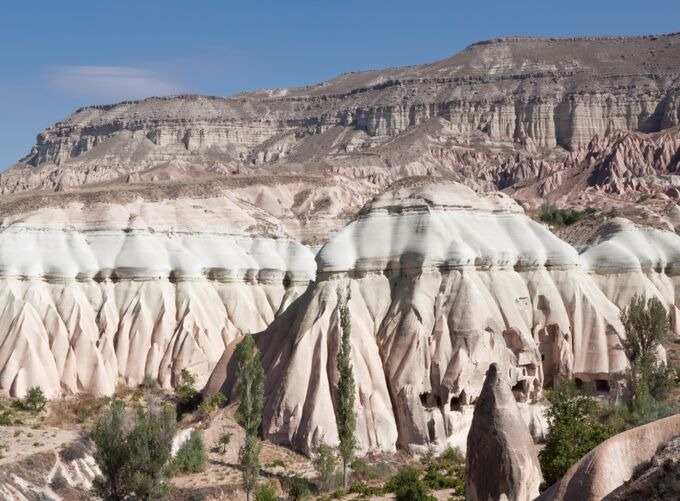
(116,292)
(501,462)
(443,283)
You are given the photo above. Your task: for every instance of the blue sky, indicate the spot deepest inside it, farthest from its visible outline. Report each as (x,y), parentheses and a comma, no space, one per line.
(59,55)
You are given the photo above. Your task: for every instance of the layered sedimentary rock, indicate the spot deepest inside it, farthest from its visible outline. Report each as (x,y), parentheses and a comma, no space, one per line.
(524,94)
(95,293)
(501,462)
(613,462)
(443,283)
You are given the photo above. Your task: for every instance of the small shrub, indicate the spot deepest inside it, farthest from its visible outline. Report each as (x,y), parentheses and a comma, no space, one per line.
(35,400)
(7,417)
(427,456)
(299,488)
(191,457)
(437,477)
(218,400)
(224,440)
(407,486)
(276,463)
(188,399)
(211,404)
(453,455)
(266,493)
(58,482)
(376,469)
(366,490)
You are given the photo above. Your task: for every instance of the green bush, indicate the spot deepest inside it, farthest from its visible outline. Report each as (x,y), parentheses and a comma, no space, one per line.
(224,440)
(299,488)
(212,403)
(133,452)
(446,472)
(375,469)
(574,431)
(276,463)
(324,464)
(191,457)
(407,486)
(7,417)
(34,400)
(561,217)
(266,493)
(365,490)
(188,399)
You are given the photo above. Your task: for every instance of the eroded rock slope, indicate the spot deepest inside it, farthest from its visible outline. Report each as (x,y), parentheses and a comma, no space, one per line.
(445,282)
(497,114)
(97,293)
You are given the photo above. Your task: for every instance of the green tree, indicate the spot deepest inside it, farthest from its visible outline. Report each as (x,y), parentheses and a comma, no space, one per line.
(324,464)
(188,398)
(646,324)
(344,410)
(574,431)
(35,399)
(250,379)
(111,453)
(133,451)
(249,456)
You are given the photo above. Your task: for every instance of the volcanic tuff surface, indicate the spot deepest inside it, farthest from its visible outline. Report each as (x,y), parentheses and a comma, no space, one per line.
(443,283)
(169,227)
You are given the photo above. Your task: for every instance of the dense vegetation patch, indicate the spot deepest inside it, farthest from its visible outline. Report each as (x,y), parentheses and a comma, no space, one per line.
(579,422)
(563,217)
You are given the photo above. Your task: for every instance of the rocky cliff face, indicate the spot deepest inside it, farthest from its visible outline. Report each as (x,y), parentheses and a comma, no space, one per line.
(445,282)
(96,293)
(528,92)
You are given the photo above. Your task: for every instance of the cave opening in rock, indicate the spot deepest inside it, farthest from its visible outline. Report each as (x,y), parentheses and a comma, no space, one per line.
(602,386)
(429,400)
(520,389)
(430,430)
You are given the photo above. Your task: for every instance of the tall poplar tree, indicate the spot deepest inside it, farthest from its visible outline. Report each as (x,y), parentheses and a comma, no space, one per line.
(249,415)
(344,409)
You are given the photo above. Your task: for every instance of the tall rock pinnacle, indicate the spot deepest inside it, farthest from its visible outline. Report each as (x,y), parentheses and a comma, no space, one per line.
(501,462)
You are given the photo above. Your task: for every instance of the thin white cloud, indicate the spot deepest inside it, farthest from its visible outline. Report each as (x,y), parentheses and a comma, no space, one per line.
(113,82)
